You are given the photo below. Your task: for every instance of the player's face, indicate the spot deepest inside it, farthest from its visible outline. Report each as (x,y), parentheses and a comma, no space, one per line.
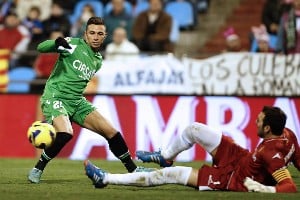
(297,4)
(95,35)
(259,124)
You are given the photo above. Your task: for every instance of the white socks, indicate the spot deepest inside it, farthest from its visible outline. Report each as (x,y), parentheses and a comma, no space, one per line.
(199,133)
(168,175)
(179,144)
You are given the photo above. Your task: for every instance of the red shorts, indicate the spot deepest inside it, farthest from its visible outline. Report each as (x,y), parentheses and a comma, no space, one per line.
(219,176)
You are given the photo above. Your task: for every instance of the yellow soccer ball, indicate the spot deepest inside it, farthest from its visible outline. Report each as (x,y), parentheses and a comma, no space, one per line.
(41,134)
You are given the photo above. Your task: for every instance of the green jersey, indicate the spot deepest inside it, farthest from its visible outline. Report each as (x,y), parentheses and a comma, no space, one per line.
(73,70)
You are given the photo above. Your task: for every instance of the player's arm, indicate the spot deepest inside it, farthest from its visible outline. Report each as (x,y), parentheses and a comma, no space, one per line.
(53,45)
(47,46)
(284,181)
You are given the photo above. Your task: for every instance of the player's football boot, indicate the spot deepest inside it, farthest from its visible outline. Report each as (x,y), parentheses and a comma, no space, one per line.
(94,173)
(34,175)
(155,157)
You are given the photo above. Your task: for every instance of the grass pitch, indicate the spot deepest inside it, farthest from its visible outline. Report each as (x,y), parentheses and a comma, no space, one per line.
(65,179)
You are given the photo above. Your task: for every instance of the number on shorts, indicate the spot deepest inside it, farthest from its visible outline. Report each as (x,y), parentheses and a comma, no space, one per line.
(57,104)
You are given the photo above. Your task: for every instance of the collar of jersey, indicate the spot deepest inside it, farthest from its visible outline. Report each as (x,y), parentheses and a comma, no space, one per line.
(97,54)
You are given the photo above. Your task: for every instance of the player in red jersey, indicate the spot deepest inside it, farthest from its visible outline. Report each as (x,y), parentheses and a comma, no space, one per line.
(234,168)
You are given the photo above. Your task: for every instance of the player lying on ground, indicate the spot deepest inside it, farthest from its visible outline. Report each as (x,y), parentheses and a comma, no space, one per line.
(234,168)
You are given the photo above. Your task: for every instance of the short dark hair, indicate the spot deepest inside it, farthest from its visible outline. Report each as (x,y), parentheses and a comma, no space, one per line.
(11,14)
(95,20)
(36,9)
(275,118)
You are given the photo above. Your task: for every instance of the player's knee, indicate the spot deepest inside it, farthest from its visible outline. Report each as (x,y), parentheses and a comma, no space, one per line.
(68,130)
(206,137)
(194,129)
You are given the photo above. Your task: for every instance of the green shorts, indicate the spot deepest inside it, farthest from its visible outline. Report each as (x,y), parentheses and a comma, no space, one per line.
(76,110)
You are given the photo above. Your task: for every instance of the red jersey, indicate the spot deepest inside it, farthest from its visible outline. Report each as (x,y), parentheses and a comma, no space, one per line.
(232,164)
(11,38)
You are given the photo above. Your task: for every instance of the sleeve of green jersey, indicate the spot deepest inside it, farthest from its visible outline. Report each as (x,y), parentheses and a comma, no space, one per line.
(47,46)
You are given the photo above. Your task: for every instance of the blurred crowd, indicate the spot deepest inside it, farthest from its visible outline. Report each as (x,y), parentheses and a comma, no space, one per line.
(133,26)
(279,31)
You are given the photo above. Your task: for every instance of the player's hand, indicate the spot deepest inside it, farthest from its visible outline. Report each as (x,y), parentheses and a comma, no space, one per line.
(62,42)
(254,186)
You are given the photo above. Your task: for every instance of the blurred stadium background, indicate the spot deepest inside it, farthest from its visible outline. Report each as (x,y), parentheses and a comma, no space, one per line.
(153,97)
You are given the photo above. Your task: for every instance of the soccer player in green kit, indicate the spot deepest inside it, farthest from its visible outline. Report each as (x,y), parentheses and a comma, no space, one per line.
(63,100)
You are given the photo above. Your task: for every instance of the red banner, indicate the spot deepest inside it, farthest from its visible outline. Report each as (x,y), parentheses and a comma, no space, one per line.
(147,122)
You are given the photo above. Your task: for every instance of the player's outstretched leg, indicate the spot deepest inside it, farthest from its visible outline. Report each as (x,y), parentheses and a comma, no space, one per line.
(94,173)
(34,175)
(168,175)
(155,157)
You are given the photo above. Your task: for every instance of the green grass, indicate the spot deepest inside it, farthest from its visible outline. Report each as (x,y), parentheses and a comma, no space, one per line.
(65,179)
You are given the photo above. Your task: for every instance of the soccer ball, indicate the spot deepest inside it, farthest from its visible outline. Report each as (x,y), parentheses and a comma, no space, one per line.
(41,134)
